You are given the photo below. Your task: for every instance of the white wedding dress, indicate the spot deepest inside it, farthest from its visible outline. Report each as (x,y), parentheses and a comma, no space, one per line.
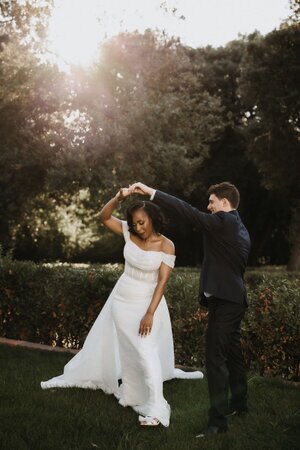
(113,349)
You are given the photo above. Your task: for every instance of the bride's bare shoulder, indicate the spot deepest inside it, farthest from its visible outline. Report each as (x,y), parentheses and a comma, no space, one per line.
(167,246)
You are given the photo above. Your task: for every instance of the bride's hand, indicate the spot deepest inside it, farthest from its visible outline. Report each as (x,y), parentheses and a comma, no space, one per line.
(123,193)
(146,325)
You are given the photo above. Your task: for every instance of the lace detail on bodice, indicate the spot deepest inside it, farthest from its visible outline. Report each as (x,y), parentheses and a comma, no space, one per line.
(140,275)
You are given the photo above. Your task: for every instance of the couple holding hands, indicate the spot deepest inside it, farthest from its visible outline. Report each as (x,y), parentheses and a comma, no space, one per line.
(131,340)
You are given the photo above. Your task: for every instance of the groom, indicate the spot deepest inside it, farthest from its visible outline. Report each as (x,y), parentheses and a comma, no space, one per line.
(222,290)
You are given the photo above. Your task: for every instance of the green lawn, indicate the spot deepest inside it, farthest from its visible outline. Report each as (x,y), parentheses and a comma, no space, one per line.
(84,419)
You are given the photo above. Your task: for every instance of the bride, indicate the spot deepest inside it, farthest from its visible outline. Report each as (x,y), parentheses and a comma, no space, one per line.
(131,340)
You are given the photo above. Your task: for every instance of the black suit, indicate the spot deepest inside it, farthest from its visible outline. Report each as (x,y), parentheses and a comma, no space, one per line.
(226,249)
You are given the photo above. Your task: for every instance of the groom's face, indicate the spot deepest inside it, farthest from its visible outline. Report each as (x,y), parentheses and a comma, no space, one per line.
(215,204)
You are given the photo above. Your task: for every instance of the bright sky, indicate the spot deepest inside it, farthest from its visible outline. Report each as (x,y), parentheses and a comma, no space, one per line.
(78,26)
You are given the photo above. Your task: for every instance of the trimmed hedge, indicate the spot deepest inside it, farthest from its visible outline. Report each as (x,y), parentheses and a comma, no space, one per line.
(57,305)
(54,305)
(271,330)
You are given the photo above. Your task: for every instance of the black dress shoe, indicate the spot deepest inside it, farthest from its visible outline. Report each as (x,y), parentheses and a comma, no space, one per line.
(212,431)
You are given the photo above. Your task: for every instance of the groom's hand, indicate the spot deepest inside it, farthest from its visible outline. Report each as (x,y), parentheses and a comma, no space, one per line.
(140,188)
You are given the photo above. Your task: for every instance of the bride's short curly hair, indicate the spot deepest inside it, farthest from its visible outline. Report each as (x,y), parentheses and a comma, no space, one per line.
(152,210)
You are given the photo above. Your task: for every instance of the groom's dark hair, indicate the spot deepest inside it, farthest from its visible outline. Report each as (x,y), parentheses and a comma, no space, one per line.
(153,211)
(226,190)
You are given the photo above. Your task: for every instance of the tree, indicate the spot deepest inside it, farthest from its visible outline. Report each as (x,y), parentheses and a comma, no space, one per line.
(141,114)
(150,117)
(270,89)
(294,17)
(150,109)
(30,98)
(155,118)
(26,20)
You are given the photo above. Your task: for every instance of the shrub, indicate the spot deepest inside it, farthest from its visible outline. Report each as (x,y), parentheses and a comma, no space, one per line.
(54,305)
(57,305)
(188,321)
(271,335)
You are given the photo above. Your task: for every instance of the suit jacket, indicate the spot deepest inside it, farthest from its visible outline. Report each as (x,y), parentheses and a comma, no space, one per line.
(226,248)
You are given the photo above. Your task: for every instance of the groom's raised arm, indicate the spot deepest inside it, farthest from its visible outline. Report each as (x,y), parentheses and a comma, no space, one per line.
(187,212)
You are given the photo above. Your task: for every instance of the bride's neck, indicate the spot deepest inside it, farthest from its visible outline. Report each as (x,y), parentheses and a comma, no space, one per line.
(149,238)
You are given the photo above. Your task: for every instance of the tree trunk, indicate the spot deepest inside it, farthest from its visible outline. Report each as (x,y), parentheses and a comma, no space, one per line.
(294,260)
(5,240)
(294,238)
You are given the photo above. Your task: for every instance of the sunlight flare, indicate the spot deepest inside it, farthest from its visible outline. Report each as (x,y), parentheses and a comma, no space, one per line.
(78,27)
(75,31)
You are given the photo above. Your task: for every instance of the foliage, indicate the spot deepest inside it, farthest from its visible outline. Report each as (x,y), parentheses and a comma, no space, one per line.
(58,305)
(25,19)
(53,305)
(150,109)
(27,134)
(188,321)
(65,228)
(271,328)
(152,116)
(228,159)
(295,13)
(271,93)
(269,86)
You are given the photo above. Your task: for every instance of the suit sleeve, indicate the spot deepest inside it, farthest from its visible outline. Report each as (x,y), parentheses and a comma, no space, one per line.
(191,215)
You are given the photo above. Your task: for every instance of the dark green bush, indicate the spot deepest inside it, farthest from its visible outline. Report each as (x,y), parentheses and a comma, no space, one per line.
(57,305)
(53,305)
(188,321)
(271,331)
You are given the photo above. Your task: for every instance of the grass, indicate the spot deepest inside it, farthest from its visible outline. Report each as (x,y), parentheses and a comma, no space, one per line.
(76,419)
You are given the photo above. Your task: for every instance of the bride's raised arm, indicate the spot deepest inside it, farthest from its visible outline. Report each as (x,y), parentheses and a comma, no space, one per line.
(111,222)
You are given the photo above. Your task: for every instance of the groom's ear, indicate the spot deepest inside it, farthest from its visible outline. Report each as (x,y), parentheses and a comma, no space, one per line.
(224,201)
